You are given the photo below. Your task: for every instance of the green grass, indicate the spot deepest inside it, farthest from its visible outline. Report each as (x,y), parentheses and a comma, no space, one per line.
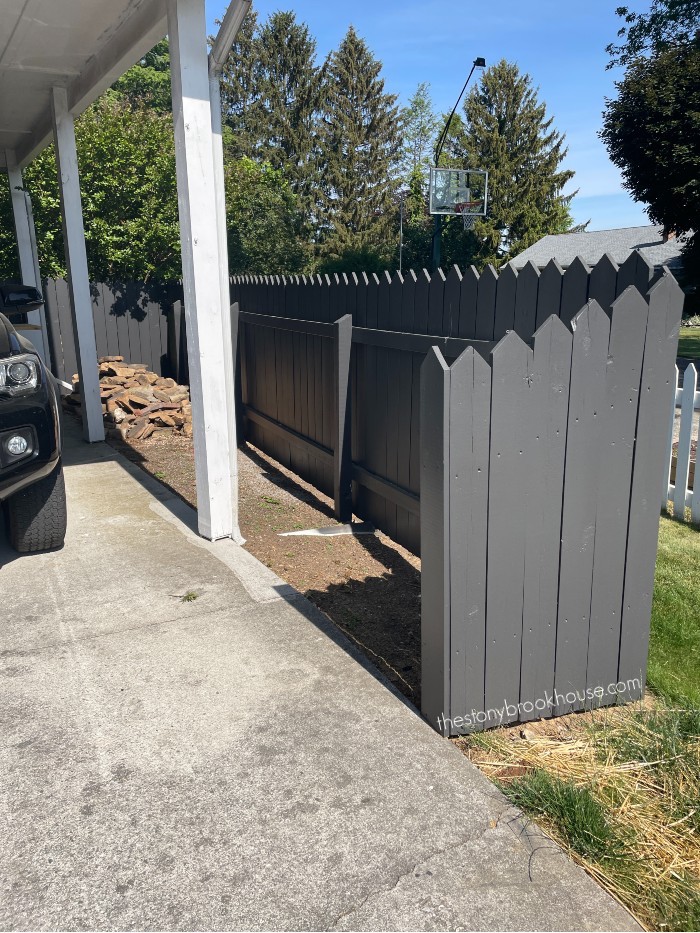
(674,651)
(580,817)
(689,343)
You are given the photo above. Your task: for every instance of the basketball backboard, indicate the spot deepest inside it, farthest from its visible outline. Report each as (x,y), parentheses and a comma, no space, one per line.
(457,191)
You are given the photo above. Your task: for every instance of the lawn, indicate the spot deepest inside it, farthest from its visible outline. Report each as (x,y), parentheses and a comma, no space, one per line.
(674,657)
(689,343)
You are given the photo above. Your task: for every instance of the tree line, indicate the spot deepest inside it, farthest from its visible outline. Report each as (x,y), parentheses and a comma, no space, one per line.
(320,161)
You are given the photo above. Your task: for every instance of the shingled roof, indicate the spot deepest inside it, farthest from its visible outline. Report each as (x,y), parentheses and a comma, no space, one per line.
(591,246)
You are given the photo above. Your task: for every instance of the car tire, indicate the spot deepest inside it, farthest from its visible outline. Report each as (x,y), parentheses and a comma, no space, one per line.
(37,515)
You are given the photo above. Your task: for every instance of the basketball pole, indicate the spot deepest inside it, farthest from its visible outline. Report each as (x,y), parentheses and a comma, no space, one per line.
(436,245)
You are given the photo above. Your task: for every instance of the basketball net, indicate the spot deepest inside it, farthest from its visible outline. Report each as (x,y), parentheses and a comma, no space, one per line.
(468,218)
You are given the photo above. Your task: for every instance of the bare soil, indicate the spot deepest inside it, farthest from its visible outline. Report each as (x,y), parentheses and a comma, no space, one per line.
(367,585)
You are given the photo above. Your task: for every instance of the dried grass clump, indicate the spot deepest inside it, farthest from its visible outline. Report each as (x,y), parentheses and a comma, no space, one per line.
(620,790)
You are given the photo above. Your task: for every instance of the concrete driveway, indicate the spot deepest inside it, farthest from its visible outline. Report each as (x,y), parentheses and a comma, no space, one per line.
(229,762)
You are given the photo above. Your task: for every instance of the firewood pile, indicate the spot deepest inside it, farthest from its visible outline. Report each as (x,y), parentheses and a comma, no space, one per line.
(139,403)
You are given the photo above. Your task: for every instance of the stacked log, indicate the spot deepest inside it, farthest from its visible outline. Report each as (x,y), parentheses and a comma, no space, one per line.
(137,402)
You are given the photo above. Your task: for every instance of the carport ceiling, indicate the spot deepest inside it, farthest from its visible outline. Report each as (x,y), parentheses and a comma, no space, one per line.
(82,45)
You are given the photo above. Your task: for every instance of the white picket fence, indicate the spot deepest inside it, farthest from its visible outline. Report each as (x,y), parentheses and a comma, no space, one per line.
(679,494)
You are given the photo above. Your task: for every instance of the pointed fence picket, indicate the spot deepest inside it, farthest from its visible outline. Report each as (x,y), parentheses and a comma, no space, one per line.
(681,487)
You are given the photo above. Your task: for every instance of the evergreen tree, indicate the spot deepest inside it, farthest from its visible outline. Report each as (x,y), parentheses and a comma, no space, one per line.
(419,125)
(360,144)
(289,95)
(507,132)
(239,92)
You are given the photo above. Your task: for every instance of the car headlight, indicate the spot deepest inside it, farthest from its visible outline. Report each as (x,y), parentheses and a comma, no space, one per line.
(18,375)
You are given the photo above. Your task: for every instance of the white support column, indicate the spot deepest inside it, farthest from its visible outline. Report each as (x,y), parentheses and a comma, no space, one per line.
(76,259)
(229,337)
(25,249)
(194,155)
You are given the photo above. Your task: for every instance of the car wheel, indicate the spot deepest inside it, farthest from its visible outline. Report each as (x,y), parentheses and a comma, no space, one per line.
(37,515)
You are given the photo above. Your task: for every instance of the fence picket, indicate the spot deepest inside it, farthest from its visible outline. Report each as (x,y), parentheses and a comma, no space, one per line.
(486,304)
(669,451)
(526,301)
(549,292)
(422,293)
(602,285)
(467,303)
(586,398)
(434,533)
(511,388)
(505,302)
(436,297)
(665,308)
(470,407)
(453,289)
(546,455)
(408,296)
(618,417)
(685,437)
(98,320)
(574,290)
(636,270)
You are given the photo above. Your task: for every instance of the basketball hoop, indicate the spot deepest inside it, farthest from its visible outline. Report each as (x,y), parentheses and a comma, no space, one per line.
(469,210)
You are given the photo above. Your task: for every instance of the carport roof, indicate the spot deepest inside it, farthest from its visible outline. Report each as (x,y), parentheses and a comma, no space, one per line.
(81,45)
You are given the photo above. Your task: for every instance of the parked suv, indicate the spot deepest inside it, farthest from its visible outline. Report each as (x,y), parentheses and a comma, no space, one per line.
(31,476)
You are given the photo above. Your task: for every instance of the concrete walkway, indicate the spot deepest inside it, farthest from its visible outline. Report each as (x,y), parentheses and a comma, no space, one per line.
(229,762)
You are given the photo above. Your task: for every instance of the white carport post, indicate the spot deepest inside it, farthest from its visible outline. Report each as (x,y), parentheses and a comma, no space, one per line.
(235,14)
(76,259)
(201,263)
(26,249)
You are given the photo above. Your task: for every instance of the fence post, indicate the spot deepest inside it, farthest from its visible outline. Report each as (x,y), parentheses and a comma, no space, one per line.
(342,450)
(177,346)
(435,539)
(238,364)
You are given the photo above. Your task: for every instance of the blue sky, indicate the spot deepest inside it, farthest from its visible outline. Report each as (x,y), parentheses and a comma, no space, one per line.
(561,45)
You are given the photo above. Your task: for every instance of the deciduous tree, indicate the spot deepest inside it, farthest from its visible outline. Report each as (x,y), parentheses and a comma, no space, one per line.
(263,220)
(668,23)
(652,132)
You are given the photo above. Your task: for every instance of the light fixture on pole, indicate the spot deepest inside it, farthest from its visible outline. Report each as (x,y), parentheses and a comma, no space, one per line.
(232,21)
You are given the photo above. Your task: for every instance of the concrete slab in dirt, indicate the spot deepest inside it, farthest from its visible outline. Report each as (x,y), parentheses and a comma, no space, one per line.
(230,762)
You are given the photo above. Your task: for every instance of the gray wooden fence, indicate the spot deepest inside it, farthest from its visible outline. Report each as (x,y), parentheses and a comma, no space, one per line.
(540,472)
(288,373)
(512,428)
(133,320)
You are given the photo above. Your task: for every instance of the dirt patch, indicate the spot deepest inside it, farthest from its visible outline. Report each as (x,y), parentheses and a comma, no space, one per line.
(367,585)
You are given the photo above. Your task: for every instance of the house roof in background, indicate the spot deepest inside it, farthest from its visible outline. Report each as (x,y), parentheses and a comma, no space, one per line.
(592,246)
